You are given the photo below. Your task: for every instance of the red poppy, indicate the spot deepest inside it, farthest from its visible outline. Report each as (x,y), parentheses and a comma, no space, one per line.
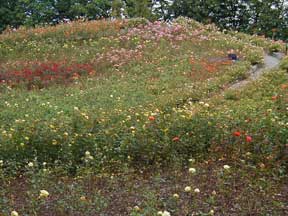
(248,139)
(176,139)
(237,133)
(151,118)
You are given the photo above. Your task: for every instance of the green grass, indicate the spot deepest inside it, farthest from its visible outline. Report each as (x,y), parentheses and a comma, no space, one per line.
(93,141)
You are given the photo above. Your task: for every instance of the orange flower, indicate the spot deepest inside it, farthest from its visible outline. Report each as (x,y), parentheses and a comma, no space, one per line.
(284,86)
(237,133)
(151,118)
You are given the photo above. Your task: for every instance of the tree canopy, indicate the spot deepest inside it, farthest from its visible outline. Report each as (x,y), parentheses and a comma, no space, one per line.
(269,17)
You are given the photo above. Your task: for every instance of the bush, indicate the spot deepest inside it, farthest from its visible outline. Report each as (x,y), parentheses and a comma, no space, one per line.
(275,47)
(255,56)
(284,64)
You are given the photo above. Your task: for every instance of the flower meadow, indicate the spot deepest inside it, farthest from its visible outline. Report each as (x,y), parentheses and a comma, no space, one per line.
(129,117)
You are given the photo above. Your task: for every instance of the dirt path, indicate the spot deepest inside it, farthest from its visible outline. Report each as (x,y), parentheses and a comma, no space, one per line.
(270,62)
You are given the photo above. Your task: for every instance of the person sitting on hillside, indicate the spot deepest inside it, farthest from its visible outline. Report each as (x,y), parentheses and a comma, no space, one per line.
(232,56)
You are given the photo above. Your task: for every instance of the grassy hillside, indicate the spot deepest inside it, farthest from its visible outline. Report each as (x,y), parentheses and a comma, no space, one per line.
(89,110)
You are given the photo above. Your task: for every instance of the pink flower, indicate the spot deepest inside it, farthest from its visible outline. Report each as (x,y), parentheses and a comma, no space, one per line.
(176,139)
(248,139)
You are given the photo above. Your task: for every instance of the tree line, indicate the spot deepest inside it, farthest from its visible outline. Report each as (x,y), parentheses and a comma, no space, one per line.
(265,17)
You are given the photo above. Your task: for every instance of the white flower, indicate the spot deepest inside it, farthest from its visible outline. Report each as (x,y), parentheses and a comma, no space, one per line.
(176,196)
(30,164)
(87,153)
(136,208)
(214,193)
(197,190)
(206,105)
(166,213)
(1,163)
(76,108)
(43,194)
(211,212)
(226,167)
(187,189)
(191,160)
(192,170)
(201,103)
(14,213)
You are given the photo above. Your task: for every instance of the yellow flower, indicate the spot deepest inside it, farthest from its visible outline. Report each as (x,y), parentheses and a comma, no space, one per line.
(14,213)
(43,194)
(192,170)
(187,189)
(166,213)
(83,198)
(136,208)
(176,196)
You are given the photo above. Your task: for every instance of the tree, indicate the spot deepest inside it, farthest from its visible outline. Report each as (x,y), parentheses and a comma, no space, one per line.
(38,12)
(139,8)
(267,17)
(11,14)
(97,9)
(162,9)
(117,6)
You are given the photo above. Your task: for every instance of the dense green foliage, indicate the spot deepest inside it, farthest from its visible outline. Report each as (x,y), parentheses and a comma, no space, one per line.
(262,17)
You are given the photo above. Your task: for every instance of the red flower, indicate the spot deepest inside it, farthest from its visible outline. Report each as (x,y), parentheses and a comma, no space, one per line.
(151,118)
(237,133)
(248,139)
(274,97)
(176,139)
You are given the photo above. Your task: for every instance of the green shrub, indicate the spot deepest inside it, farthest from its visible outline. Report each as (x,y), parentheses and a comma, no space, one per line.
(255,56)
(136,22)
(284,64)
(275,47)
(231,95)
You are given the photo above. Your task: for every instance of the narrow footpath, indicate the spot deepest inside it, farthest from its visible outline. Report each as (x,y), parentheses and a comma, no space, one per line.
(270,62)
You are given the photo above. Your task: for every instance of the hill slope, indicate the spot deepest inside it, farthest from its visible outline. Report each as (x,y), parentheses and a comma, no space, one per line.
(87,108)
